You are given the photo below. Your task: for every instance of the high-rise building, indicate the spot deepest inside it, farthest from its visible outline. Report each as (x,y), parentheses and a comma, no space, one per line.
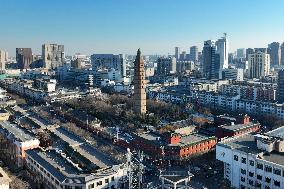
(3,59)
(210,60)
(53,55)
(166,66)
(222,48)
(233,74)
(194,53)
(241,53)
(231,58)
(77,63)
(248,52)
(282,54)
(139,85)
(109,61)
(263,50)
(177,52)
(280,86)
(274,49)
(183,66)
(183,55)
(258,64)
(24,57)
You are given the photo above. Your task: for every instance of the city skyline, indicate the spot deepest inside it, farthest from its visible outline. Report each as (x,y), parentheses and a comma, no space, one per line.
(123,26)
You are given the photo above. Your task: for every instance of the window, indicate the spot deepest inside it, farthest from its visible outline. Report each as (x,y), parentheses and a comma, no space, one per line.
(251,174)
(243,171)
(276,183)
(236,157)
(112,178)
(107,180)
(268,180)
(243,187)
(91,186)
(277,171)
(243,179)
(259,177)
(68,187)
(259,166)
(99,183)
(78,187)
(251,182)
(267,187)
(251,162)
(244,160)
(258,185)
(268,168)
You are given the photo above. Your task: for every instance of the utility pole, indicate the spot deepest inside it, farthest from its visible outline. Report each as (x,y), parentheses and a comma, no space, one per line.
(117,131)
(129,168)
(141,167)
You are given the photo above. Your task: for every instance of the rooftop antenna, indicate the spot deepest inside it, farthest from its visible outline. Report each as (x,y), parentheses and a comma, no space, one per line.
(225,35)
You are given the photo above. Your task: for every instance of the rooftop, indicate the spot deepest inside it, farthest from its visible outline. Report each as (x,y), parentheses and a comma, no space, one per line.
(248,144)
(191,139)
(64,169)
(185,140)
(15,131)
(84,148)
(238,127)
(279,133)
(4,179)
(151,136)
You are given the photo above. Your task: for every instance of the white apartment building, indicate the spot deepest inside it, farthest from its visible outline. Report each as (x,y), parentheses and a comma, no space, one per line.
(16,141)
(233,74)
(222,48)
(254,161)
(3,59)
(4,180)
(56,170)
(258,65)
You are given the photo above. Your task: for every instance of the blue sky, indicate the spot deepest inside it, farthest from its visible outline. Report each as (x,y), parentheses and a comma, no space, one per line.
(122,26)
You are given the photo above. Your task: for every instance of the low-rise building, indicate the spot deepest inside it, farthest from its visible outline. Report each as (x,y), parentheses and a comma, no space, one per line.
(4,180)
(58,170)
(16,141)
(173,146)
(4,115)
(254,161)
(231,130)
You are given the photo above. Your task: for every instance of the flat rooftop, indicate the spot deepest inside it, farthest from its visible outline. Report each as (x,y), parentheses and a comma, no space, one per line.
(191,139)
(17,132)
(84,148)
(150,136)
(279,133)
(237,127)
(248,144)
(56,164)
(65,169)
(244,143)
(185,140)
